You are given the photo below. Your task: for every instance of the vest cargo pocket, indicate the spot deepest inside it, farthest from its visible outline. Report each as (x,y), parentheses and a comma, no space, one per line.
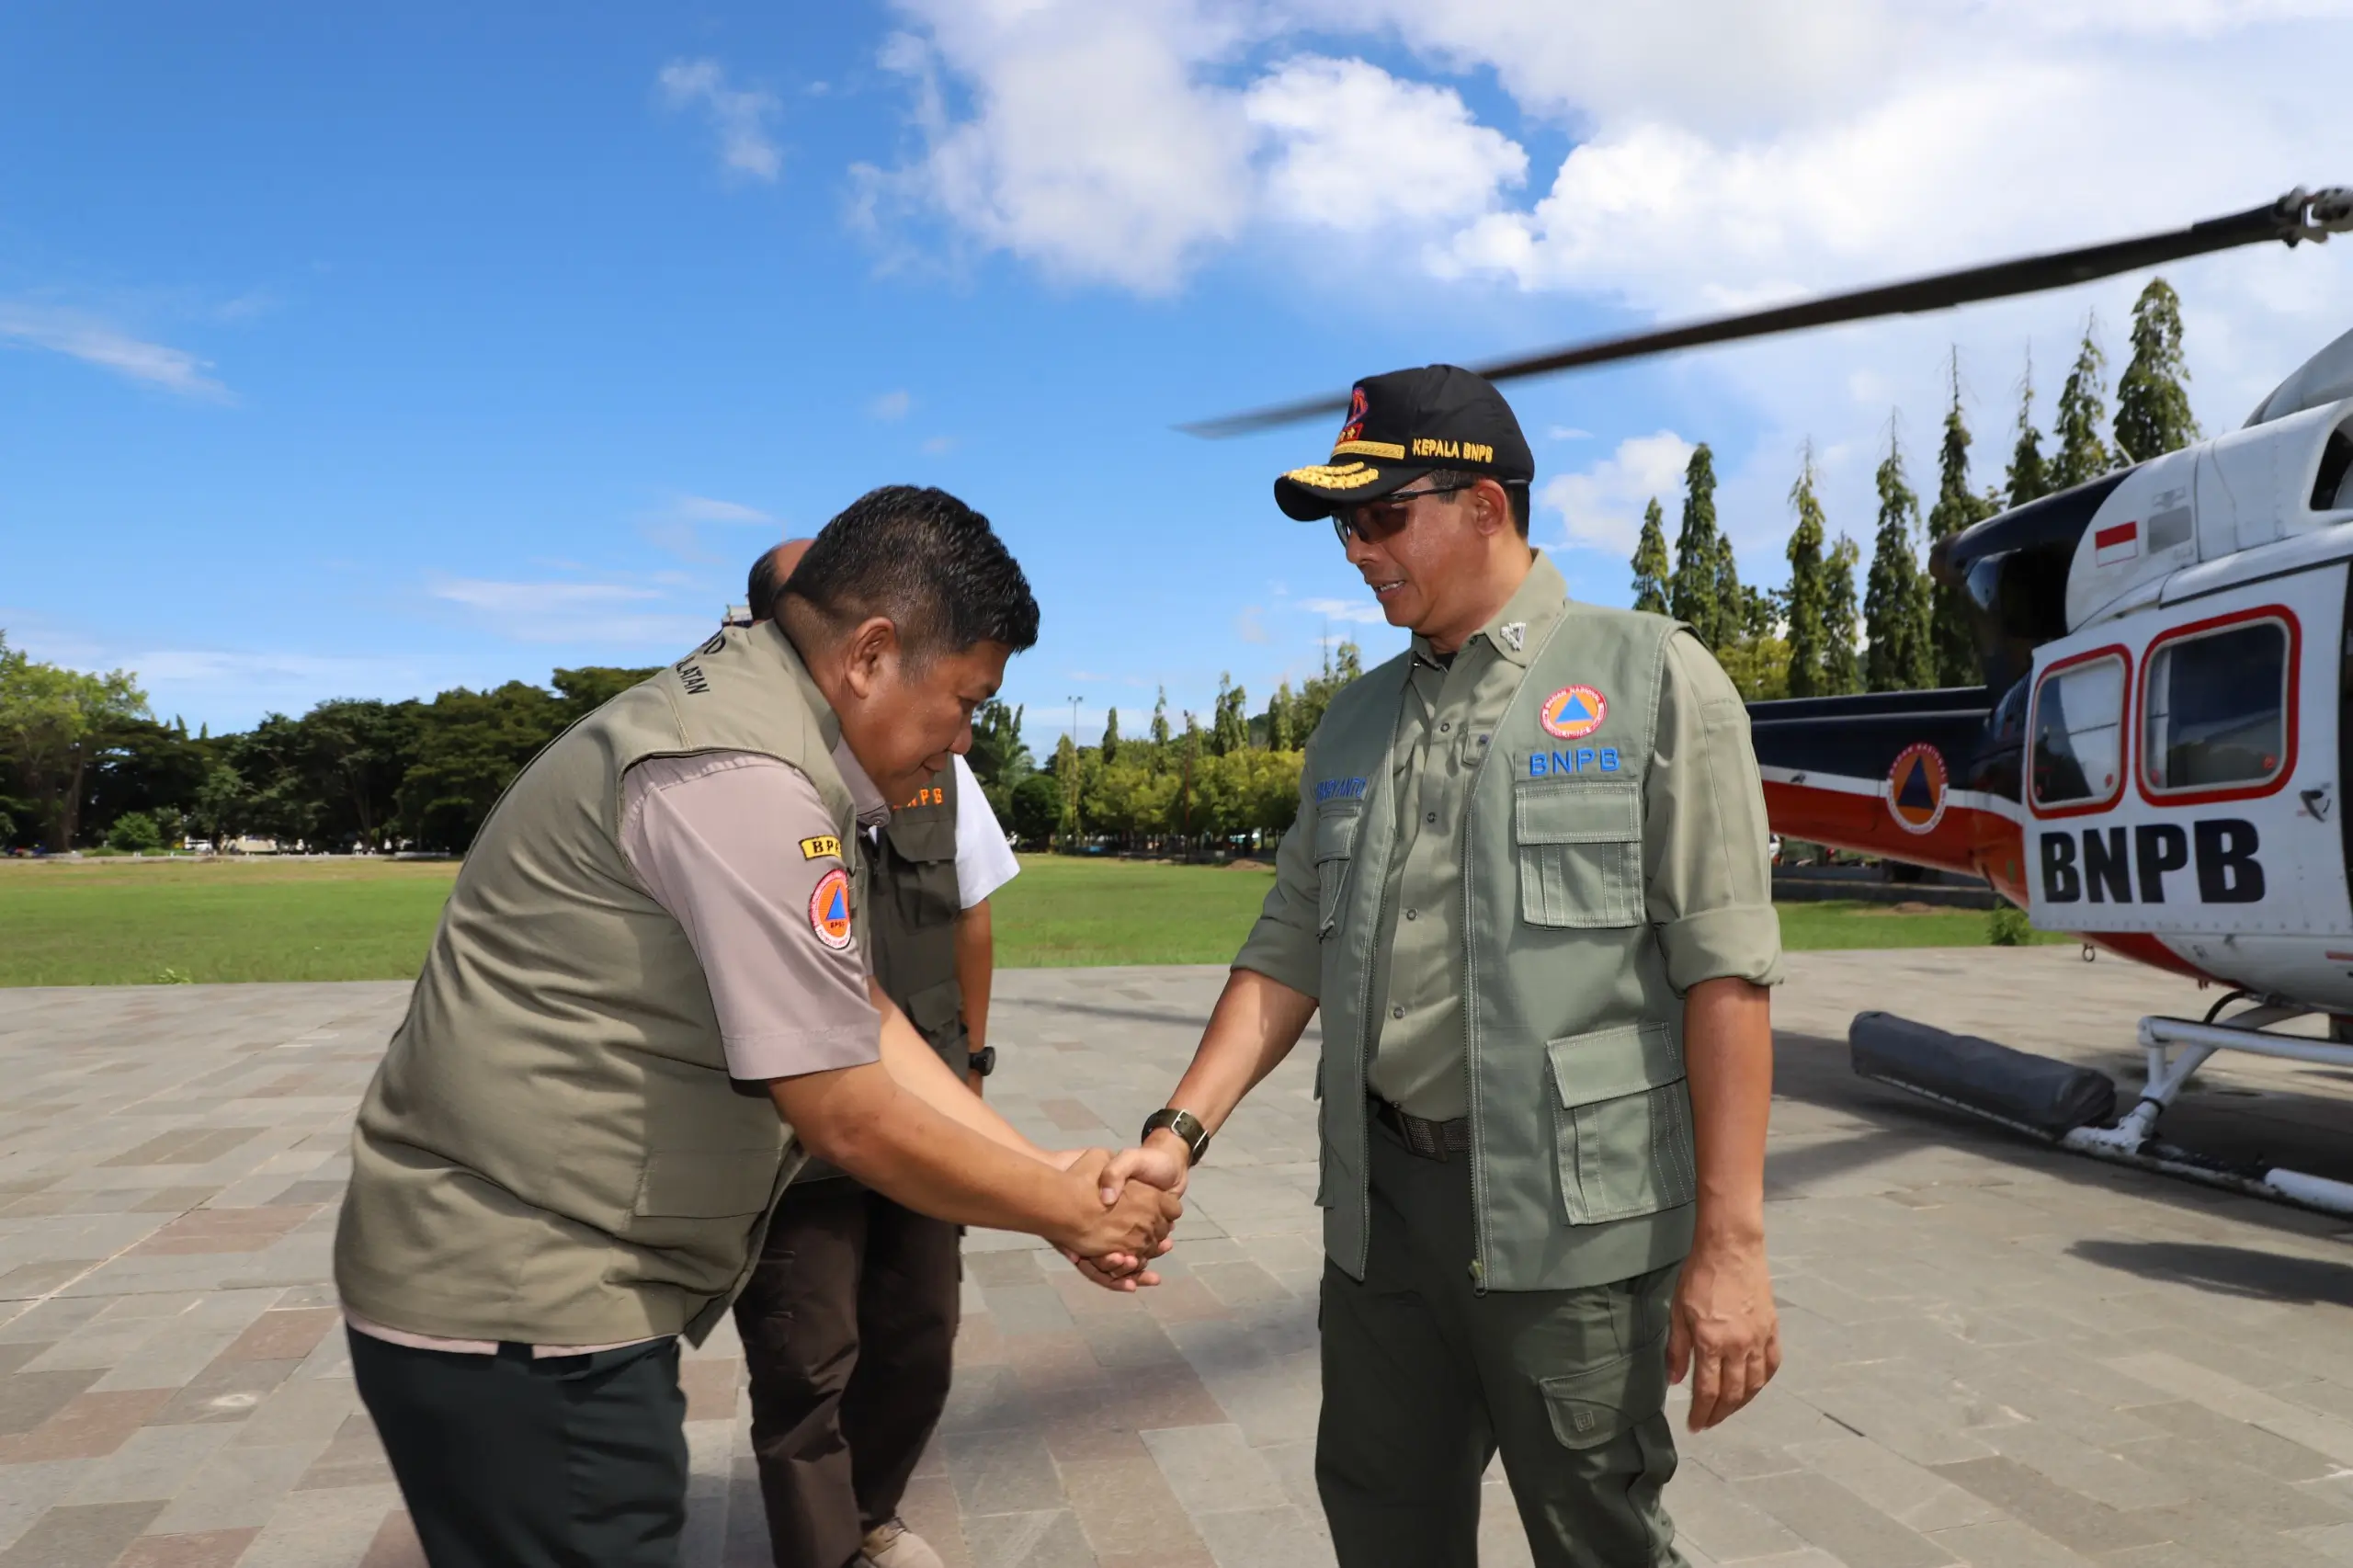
(1621,1130)
(694,1183)
(1336,844)
(1580,846)
(936,1006)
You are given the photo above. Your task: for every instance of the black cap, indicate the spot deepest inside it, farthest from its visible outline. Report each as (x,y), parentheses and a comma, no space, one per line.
(1401,426)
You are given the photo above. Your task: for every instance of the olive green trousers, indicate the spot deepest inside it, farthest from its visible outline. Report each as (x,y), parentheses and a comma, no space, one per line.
(1425,1379)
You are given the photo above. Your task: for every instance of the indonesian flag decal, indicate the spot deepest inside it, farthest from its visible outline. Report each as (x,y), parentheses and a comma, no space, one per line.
(2116,543)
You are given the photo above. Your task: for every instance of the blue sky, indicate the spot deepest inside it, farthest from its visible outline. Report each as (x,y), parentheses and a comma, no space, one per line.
(350,354)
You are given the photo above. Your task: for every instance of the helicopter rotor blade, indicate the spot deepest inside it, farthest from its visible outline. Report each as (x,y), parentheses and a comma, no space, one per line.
(2299,215)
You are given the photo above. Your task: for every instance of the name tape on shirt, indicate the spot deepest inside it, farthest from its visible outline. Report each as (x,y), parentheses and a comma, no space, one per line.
(829,909)
(821,847)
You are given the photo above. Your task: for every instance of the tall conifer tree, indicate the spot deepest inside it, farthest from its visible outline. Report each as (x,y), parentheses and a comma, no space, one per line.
(1111,735)
(1895,600)
(1692,595)
(1842,662)
(1808,598)
(2083,408)
(2152,396)
(1952,634)
(2029,477)
(1652,568)
(1740,611)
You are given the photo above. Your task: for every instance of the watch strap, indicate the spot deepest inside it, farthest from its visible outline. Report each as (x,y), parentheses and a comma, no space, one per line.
(1186,1125)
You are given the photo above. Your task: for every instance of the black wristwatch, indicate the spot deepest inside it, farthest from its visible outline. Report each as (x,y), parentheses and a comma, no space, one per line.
(1183,1123)
(982,1061)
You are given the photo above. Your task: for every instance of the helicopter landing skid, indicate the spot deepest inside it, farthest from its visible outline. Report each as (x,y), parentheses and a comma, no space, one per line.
(2176,1048)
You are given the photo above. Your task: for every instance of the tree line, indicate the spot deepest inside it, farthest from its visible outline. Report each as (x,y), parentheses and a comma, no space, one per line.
(84,762)
(1171,789)
(1811,638)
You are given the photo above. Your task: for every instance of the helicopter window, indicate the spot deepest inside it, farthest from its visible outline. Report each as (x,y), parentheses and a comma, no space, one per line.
(2333,486)
(2215,715)
(2078,733)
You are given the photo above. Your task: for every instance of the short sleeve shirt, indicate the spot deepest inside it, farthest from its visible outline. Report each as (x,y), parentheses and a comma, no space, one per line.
(984,862)
(737,846)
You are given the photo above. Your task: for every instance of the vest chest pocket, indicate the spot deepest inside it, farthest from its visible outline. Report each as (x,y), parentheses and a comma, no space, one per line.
(1335,846)
(1623,1128)
(1580,848)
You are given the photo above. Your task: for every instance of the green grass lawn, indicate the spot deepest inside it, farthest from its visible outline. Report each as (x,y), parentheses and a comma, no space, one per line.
(131,923)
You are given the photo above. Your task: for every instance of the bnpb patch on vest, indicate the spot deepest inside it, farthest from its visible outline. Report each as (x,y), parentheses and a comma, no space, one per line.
(820,847)
(829,909)
(1574,713)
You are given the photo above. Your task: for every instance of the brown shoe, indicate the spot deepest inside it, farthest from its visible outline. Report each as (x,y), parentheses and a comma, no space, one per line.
(891,1545)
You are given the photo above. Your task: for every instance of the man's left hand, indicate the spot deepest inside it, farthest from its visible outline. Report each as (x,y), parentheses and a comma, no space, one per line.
(1724,1332)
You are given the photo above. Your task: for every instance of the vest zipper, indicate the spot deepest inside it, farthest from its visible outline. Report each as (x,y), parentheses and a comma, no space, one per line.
(1470,1015)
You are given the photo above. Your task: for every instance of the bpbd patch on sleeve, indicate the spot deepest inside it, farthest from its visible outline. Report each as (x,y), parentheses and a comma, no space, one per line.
(829,909)
(818,848)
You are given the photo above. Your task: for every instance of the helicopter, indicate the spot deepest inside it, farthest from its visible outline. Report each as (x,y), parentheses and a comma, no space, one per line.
(2158,758)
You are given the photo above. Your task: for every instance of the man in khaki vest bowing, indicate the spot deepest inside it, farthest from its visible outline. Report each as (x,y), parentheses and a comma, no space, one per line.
(1528,890)
(645,1005)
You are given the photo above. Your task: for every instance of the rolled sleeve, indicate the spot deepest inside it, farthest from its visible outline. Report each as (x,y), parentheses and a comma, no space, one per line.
(1283,944)
(722,841)
(1706,864)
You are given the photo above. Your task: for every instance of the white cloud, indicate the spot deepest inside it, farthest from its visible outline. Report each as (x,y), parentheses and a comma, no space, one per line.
(1250,626)
(710,509)
(892,404)
(739,115)
(1361,150)
(615,614)
(1602,506)
(95,342)
(1359,610)
(1568,433)
(1092,146)
(938,446)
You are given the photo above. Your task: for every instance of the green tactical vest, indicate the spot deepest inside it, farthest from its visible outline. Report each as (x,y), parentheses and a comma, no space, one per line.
(552,1150)
(911,926)
(913,915)
(1581,1160)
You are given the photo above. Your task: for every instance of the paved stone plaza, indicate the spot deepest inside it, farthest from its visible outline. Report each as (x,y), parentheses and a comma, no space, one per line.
(1996,1355)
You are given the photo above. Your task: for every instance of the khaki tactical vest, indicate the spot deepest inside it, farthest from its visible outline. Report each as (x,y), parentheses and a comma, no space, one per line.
(553,1152)
(1581,1160)
(911,926)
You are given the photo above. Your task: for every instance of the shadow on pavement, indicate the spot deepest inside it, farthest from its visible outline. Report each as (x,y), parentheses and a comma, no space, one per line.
(2231,1271)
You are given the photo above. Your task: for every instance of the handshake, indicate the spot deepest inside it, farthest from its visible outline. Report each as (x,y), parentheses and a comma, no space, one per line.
(1122,1210)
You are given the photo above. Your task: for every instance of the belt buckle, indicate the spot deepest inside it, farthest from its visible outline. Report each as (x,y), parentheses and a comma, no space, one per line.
(1424,1137)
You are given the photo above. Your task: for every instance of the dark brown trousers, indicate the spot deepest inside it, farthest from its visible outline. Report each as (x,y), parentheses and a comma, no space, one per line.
(850,1332)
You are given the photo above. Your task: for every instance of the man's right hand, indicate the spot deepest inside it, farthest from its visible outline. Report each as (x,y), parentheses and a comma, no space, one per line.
(1135,1223)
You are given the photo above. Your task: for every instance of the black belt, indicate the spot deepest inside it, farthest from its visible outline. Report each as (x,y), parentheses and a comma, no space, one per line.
(1430,1140)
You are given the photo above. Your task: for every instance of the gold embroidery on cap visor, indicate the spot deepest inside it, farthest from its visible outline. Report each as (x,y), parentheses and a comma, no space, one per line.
(1346,476)
(1388,449)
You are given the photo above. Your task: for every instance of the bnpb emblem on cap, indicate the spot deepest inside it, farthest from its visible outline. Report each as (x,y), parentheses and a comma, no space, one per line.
(829,909)
(1574,713)
(1357,408)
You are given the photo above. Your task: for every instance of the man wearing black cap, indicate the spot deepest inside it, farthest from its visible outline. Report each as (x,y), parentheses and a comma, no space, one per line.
(1528,892)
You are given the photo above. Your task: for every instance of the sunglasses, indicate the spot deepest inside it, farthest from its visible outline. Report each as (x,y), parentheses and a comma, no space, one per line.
(1377,520)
